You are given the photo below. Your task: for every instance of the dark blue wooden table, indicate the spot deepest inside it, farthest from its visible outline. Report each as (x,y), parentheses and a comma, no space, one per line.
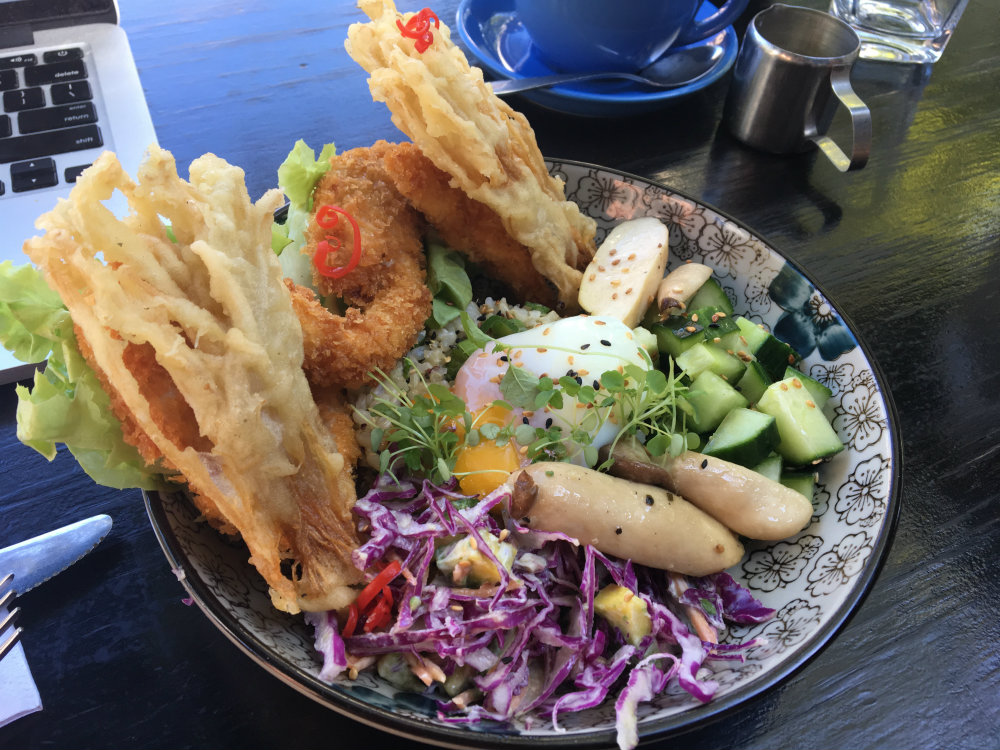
(908,248)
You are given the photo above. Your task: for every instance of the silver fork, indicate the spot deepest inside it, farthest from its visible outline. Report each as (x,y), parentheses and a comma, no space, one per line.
(7,640)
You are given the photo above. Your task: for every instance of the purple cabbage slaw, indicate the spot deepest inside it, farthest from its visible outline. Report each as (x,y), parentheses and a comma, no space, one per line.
(534,642)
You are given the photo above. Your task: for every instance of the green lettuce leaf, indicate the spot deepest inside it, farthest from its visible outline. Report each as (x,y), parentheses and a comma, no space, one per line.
(449,283)
(66,403)
(297,176)
(31,315)
(301,170)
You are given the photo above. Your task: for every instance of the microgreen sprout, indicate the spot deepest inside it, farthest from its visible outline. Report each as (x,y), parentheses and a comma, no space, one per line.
(644,402)
(425,433)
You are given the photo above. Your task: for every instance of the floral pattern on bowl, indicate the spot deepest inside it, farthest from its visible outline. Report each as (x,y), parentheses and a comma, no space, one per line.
(813,580)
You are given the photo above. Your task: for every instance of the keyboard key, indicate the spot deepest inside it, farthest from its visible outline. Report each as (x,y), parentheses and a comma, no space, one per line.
(40,75)
(71,173)
(18,61)
(52,142)
(59,55)
(32,175)
(5,126)
(73,91)
(15,101)
(53,118)
(8,80)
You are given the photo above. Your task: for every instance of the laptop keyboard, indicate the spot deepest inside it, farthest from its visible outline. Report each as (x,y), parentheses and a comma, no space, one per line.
(47,110)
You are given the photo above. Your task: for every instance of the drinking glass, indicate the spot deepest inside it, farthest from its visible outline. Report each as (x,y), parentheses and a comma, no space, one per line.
(909,31)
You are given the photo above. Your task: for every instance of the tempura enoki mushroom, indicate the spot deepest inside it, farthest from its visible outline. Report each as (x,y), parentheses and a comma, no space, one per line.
(209,314)
(488,149)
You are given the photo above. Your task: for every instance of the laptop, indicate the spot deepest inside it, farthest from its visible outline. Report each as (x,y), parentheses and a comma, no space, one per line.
(69,90)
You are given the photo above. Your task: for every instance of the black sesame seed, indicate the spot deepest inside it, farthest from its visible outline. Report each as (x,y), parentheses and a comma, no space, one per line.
(618,530)
(548,423)
(504,358)
(605,342)
(704,464)
(649,499)
(507,659)
(584,346)
(524,420)
(579,380)
(597,385)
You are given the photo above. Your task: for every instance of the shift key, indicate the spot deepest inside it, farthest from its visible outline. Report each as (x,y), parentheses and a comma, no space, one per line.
(53,142)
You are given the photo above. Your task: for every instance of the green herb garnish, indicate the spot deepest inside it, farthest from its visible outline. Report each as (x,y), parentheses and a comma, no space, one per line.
(425,432)
(449,283)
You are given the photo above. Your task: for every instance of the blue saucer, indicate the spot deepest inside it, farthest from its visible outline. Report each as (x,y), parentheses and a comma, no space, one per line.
(494,34)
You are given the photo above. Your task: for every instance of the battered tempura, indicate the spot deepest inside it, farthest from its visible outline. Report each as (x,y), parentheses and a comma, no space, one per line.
(488,149)
(467,225)
(198,344)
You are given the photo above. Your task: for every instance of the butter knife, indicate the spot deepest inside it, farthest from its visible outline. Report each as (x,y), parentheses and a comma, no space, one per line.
(36,560)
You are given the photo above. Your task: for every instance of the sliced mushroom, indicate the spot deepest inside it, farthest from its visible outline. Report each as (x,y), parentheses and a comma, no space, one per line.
(745,501)
(679,286)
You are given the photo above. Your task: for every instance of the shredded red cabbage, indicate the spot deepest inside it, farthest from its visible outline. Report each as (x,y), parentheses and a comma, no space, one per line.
(532,640)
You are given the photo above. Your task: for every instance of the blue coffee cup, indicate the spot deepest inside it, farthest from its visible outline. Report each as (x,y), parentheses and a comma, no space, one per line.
(621,35)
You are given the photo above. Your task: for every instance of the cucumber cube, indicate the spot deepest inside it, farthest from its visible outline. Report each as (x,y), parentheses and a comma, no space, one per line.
(805,433)
(770,467)
(754,334)
(736,343)
(754,382)
(773,354)
(803,482)
(744,437)
(674,338)
(647,340)
(711,398)
(701,357)
(719,329)
(711,294)
(820,393)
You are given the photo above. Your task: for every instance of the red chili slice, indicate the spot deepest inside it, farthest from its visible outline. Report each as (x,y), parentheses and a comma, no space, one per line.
(376,614)
(418,28)
(380,614)
(378,583)
(352,621)
(326,217)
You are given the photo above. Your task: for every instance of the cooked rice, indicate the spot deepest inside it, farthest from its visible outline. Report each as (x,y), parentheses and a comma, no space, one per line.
(427,363)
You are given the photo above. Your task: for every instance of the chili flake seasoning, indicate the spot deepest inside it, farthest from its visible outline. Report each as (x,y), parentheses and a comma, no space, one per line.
(326,217)
(419,29)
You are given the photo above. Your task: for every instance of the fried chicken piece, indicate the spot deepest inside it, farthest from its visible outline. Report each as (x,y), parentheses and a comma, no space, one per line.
(488,149)
(467,225)
(387,293)
(195,338)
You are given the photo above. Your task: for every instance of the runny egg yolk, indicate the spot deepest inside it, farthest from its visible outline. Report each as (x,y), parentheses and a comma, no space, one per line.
(483,467)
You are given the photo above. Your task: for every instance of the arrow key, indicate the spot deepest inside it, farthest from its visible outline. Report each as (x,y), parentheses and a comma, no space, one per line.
(33,174)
